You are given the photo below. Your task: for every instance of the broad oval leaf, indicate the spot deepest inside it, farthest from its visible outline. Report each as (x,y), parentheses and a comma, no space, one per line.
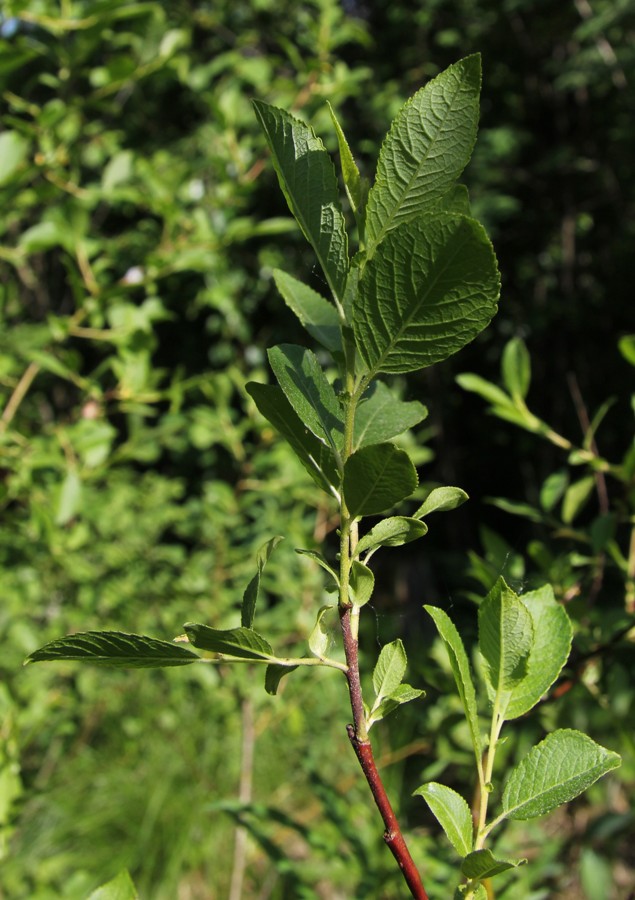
(505,638)
(116,649)
(306,387)
(377,477)
(550,650)
(316,457)
(428,146)
(441,499)
(321,635)
(452,813)
(241,642)
(460,666)
(316,314)
(380,416)
(430,289)
(555,771)
(391,532)
(308,180)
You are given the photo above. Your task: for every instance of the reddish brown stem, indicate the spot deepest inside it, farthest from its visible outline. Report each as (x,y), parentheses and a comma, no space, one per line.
(364,752)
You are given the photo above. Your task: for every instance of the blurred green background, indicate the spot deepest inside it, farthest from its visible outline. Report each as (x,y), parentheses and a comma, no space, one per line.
(141,220)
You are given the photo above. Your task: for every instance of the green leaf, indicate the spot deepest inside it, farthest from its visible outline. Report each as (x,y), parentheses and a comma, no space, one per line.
(460,669)
(553,488)
(477,893)
(304,383)
(403,693)
(552,635)
(356,186)
(115,649)
(377,477)
(485,389)
(516,368)
(626,347)
(391,532)
(441,499)
(307,178)
(452,813)
(430,289)
(250,597)
(516,509)
(381,416)
(70,498)
(428,146)
(320,638)
(121,887)
(319,559)
(558,769)
(241,642)
(13,150)
(316,314)
(316,458)
(274,674)
(389,670)
(575,498)
(505,639)
(361,584)
(457,200)
(483,864)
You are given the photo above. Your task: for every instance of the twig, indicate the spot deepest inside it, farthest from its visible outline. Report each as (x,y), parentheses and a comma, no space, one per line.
(363,750)
(18,394)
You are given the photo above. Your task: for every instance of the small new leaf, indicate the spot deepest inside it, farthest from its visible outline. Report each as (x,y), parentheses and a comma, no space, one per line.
(115,649)
(506,636)
(403,693)
(516,368)
(356,186)
(391,532)
(452,813)
(389,670)
(483,864)
(558,769)
(361,584)
(441,499)
(250,597)
(320,637)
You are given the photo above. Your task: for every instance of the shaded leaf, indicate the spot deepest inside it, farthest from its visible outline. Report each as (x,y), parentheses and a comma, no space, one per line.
(381,416)
(460,669)
(321,636)
(13,151)
(116,649)
(516,368)
(274,674)
(242,642)
(575,498)
(316,314)
(428,146)
(250,597)
(483,864)
(377,477)
(429,290)
(452,813)
(316,458)
(306,388)
(361,584)
(308,181)
(558,769)
(319,559)
(485,389)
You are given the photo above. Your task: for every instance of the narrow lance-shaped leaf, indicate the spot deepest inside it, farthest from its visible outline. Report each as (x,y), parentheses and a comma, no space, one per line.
(316,457)
(317,315)
(250,597)
(428,146)
(115,649)
(390,669)
(243,643)
(452,813)
(376,478)
(516,368)
(306,387)
(558,769)
(403,693)
(430,289)
(461,671)
(356,186)
(307,178)
(380,416)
